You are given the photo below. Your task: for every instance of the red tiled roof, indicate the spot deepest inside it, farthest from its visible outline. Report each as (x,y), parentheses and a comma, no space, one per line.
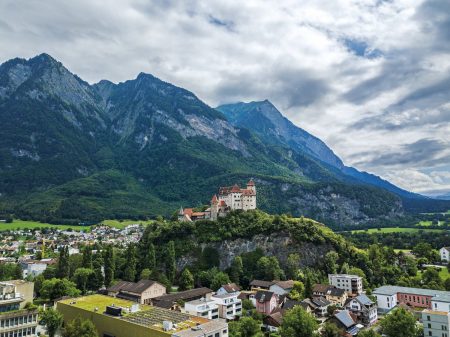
(188,211)
(198,213)
(251,183)
(214,199)
(247,192)
(223,203)
(235,189)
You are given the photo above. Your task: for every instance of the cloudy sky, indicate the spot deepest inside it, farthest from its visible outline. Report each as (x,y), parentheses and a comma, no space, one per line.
(369,77)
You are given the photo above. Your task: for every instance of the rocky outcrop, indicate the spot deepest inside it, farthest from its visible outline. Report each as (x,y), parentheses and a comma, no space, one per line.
(280,245)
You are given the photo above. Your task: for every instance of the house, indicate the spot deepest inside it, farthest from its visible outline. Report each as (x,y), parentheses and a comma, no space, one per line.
(389,297)
(228,289)
(266,301)
(346,321)
(273,321)
(436,323)
(364,309)
(172,301)
(229,198)
(260,285)
(32,268)
(141,292)
(202,307)
(352,284)
(229,304)
(333,294)
(445,254)
(282,287)
(318,305)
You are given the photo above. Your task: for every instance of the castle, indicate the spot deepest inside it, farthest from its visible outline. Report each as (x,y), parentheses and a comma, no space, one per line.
(229,198)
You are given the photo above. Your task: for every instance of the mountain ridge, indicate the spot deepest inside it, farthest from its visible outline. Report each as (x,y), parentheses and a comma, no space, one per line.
(282,130)
(70,150)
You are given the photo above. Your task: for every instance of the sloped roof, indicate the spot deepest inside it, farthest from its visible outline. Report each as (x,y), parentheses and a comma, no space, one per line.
(263,296)
(344,317)
(131,287)
(183,295)
(364,300)
(289,284)
(261,283)
(231,287)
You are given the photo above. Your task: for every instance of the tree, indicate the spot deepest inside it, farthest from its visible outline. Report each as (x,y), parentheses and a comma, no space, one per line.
(308,285)
(447,284)
(368,333)
(331,330)
(330,262)
(297,291)
(56,288)
(129,273)
(109,265)
(62,268)
(87,258)
(293,261)
(248,327)
(151,257)
(171,267)
(145,274)
(186,280)
(18,273)
(269,268)
(81,278)
(297,322)
(80,328)
(236,270)
(219,279)
(96,279)
(399,323)
(52,320)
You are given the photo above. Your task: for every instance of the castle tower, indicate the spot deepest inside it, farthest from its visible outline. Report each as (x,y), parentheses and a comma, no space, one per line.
(214,207)
(251,186)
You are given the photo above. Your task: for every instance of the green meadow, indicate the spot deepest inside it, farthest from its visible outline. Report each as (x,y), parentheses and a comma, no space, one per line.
(394,230)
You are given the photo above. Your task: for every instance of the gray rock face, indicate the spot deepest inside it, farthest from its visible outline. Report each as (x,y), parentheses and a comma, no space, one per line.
(280,245)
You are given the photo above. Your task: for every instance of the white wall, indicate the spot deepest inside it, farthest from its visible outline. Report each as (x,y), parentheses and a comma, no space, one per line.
(440,306)
(386,302)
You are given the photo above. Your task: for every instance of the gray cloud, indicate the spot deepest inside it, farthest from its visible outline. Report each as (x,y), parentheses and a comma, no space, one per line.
(425,151)
(370,77)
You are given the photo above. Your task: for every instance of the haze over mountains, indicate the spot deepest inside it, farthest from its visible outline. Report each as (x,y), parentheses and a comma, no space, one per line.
(145,147)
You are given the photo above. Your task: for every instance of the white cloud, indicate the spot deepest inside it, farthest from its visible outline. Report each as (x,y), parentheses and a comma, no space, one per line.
(294,53)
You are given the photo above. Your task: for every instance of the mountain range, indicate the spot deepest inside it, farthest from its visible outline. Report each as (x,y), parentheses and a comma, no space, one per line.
(72,151)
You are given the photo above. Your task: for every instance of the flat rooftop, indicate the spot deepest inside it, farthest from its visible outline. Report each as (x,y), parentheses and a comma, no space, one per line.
(437,295)
(148,316)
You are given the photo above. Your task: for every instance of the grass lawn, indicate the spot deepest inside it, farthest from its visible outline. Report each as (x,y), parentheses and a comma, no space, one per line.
(394,230)
(123,223)
(402,250)
(21,224)
(443,273)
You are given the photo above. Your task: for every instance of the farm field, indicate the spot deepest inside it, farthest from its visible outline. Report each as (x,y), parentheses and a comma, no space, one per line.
(123,223)
(22,224)
(394,230)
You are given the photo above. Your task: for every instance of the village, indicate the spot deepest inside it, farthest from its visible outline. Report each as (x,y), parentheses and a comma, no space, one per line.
(150,305)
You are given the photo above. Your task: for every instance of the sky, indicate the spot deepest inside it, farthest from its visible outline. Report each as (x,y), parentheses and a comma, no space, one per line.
(371,78)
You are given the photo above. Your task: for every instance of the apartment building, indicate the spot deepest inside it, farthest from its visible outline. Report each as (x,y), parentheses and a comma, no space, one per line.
(436,323)
(352,284)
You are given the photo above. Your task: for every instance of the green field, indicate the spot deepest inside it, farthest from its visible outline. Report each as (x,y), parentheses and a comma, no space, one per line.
(123,223)
(443,274)
(21,224)
(394,230)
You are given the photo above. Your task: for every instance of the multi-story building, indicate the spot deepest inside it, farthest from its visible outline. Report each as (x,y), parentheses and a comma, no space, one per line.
(436,323)
(333,294)
(389,297)
(364,309)
(115,317)
(352,284)
(445,254)
(16,318)
(230,306)
(229,198)
(203,307)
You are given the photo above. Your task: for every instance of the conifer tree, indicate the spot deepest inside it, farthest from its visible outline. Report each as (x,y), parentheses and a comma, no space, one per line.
(171,267)
(109,265)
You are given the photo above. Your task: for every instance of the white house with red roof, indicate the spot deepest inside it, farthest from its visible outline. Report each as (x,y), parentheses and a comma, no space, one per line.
(229,198)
